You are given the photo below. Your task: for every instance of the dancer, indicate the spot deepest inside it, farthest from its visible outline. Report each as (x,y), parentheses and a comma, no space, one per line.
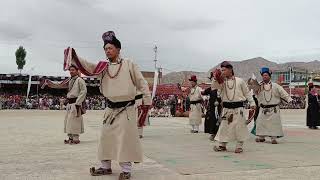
(120,79)
(234,92)
(195,115)
(214,109)
(77,90)
(268,123)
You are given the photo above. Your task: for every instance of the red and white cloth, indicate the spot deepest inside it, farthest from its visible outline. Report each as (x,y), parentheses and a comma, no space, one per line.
(70,54)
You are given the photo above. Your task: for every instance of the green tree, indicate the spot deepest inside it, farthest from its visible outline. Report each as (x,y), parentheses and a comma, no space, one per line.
(20,57)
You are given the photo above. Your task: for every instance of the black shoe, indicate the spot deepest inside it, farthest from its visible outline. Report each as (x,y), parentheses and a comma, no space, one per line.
(195,131)
(68,141)
(124,176)
(212,136)
(100,171)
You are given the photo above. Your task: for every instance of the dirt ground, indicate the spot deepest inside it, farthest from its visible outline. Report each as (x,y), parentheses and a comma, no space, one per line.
(32,148)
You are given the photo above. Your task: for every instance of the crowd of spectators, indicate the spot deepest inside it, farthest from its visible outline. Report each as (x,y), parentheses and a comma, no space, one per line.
(46,102)
(164,105)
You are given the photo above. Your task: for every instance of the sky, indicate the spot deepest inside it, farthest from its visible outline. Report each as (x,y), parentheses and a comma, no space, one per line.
(190,35)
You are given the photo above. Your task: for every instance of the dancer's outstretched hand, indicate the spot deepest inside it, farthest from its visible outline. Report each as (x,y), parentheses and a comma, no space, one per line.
(217,75)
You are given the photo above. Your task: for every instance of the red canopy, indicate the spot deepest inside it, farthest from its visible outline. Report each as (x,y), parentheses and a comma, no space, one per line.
(296,91)
(167,89)
(174,89)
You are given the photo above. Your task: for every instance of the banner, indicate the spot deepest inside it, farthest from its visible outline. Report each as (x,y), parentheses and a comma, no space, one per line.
(155,82)
(29,86)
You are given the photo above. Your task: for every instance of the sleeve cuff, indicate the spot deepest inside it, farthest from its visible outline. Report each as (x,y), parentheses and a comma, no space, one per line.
(147,101)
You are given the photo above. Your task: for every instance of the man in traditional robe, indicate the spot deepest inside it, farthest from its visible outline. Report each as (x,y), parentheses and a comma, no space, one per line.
(77,90)
(268,123)
(195,115)
(313,114)
(233,92)
(173,105)
(120,79)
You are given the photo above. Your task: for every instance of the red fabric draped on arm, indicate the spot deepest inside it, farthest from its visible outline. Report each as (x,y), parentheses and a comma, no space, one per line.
(71,58)
(56,85)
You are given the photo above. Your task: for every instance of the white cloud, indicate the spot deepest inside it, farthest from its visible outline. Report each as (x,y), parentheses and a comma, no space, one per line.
(191,35)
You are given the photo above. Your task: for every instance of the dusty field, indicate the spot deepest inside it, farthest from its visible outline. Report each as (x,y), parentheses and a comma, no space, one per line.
(32,148)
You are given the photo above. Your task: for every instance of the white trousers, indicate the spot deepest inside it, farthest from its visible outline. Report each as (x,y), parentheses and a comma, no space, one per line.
(195,127)
(125,166)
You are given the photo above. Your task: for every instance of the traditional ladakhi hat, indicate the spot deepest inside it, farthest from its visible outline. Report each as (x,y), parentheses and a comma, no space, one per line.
(109,37)
(193,78)
(310,83)
(265,70)
(226,64)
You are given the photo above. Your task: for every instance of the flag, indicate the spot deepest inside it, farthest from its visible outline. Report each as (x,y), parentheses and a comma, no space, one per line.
(155,82)
(281,78)
(305,87)
(253,76)
(29,86)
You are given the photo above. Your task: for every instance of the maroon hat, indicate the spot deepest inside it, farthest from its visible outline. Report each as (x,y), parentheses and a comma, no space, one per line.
(193,78)
(109,37)
(310,84)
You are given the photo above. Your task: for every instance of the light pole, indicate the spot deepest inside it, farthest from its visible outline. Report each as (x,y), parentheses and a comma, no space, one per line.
(290,69)
(155,49)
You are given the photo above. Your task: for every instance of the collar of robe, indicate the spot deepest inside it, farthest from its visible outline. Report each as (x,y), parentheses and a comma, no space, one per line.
(230,78)
(118,61)
(266,83)
(194,89)
(267,86)
(74,77)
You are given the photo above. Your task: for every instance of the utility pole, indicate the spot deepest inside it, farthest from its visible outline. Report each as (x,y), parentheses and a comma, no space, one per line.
(159,74)
(290,70)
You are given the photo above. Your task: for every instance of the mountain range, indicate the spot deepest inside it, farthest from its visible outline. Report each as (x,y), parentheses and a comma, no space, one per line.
(243,69)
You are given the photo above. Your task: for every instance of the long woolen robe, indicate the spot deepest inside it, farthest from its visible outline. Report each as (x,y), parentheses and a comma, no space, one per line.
(236,130)
(72,123)
(269,123)
(213,111)
(195,115)
(313,114)
(119,140)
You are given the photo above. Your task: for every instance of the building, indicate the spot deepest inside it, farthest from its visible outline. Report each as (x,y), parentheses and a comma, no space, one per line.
(149,76)
(18,83)
(297,75)
(299,79)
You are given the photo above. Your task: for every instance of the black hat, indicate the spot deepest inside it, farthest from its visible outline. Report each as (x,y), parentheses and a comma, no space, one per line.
(226,64)
(73,66)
